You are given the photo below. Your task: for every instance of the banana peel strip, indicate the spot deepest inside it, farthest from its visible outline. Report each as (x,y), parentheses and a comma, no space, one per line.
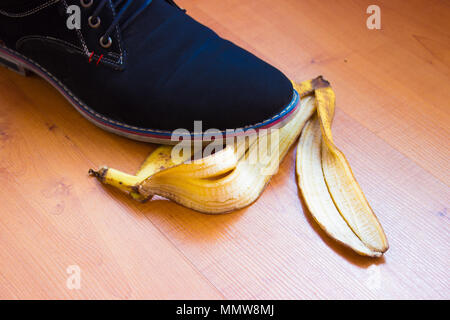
(327,183)
(227,181)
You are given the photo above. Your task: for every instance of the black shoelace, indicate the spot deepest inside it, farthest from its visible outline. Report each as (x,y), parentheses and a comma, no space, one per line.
(94,20)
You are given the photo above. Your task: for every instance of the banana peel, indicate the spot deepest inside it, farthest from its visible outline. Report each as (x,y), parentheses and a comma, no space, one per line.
(228,180)
(328,185)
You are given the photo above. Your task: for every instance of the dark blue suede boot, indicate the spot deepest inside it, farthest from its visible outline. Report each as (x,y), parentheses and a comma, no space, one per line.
(143,68)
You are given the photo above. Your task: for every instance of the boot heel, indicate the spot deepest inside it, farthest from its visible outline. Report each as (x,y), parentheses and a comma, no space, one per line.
(13,64)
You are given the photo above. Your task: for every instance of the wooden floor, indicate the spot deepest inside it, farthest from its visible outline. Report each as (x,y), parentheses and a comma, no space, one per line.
(392,121)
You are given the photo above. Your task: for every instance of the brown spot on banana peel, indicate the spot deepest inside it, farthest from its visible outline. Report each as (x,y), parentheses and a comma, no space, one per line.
(136,195)
(135,189)
(99,174)
(320,82)
(307,88)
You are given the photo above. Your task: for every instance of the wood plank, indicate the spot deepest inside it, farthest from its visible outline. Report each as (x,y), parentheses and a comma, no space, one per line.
(53,215)
(390,80)
(274,250)
(392,87)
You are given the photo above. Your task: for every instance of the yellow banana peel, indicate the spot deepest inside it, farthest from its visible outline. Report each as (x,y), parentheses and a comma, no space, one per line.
(229,180)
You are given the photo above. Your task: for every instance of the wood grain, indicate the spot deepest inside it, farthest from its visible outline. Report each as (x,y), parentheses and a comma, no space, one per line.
(393,94)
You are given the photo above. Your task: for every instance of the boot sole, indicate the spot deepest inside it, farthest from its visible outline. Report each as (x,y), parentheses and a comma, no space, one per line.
(23,65)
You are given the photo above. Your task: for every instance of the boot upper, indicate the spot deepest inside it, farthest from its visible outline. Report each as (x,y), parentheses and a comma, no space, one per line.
(163,71)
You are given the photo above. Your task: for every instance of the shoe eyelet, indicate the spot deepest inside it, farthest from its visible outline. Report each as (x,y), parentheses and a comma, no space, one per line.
(86,3)
(93,24)
(107,44)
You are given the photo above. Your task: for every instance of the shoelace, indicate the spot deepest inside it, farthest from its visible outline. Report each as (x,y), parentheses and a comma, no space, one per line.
(94,20)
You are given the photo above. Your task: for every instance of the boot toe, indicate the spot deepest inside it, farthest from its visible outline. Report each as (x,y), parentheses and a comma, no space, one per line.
(226,87)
